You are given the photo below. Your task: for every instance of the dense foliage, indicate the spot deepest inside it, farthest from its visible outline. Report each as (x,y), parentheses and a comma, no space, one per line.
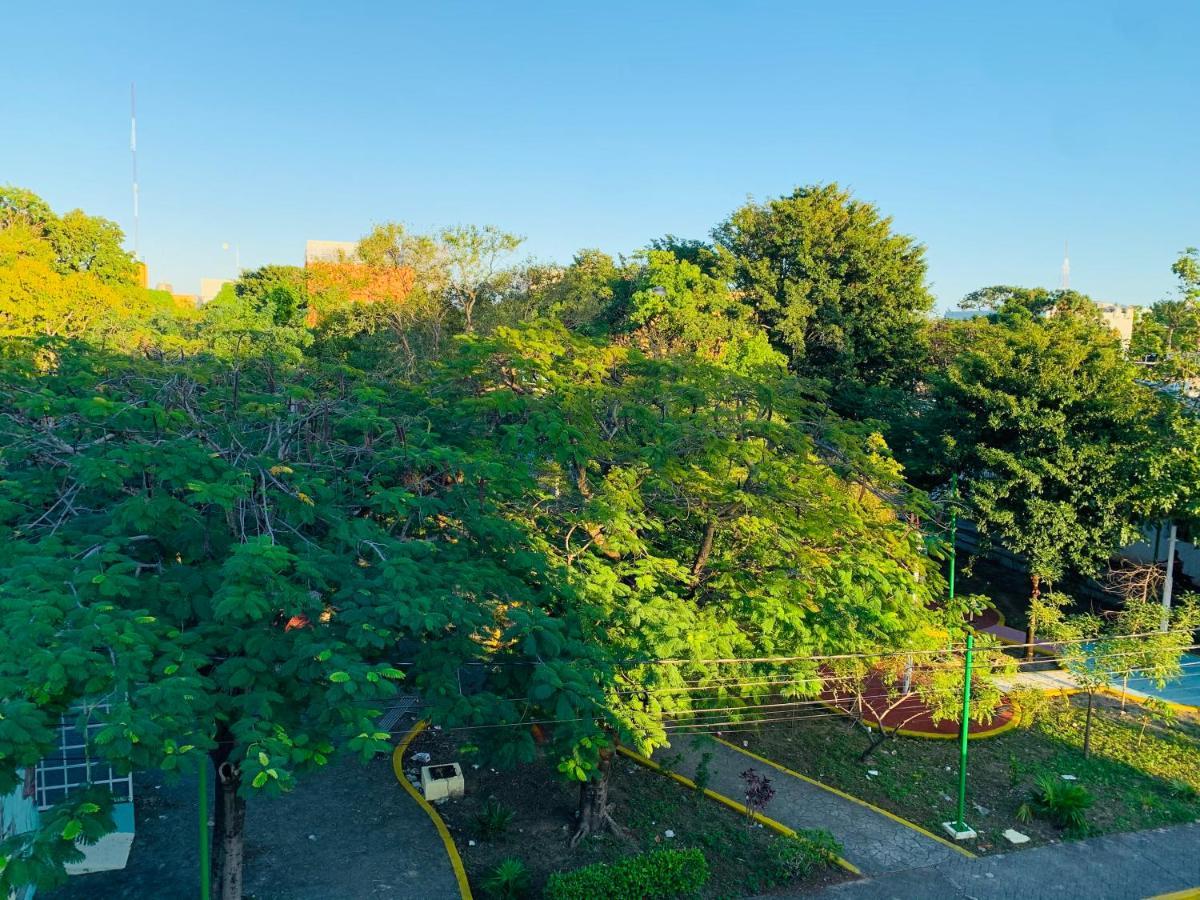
(621,499)
(661,873)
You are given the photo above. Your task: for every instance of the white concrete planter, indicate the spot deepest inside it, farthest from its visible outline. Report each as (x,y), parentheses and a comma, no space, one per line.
(442,782)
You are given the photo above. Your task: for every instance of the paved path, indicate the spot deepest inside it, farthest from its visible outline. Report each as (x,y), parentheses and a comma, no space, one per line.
(348,831)
(874,842)
(1116,867)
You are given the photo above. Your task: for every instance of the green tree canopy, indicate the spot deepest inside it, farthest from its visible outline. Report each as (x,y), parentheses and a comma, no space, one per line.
(840,292)
(1050,432)
(702,517)
(244,565)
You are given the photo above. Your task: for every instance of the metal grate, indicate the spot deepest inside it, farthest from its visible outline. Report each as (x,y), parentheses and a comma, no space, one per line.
(393,713)
(71,766)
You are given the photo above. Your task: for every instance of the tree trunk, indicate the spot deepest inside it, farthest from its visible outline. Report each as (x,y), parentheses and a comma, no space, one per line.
(702,555)
(876,740)
(595,812)
(229,826)
(1087,727)
(1031,629)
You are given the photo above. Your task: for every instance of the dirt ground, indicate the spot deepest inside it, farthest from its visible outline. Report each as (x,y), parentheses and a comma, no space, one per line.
(647,804)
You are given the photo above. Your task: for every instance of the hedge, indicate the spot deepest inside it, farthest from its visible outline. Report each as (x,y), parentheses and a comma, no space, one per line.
(660,874)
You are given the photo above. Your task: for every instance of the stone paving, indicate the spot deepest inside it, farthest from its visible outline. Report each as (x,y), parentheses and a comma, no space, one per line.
(1115,867)
(873,842)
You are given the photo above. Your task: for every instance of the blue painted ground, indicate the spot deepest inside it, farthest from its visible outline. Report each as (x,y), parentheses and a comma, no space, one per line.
(1185,689)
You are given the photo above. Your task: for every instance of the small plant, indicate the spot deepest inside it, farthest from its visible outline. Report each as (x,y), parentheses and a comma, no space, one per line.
(661,874)
(797,856)
(508,881)
(1014,770)
(493,820)
(1062,802)
(759,792)
(1181,790)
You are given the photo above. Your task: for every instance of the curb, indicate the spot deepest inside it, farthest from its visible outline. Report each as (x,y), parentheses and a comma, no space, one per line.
(1137,699)
(1185,894)
(777,827)
(460,874)
(871,806)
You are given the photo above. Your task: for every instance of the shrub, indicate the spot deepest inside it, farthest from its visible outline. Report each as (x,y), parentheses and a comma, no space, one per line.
(494,819)
(759,792)
(660,874)
(797,856)
(1062,802)
(508,881)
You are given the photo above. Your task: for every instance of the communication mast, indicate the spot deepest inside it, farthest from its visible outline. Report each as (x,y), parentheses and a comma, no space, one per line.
(133,155)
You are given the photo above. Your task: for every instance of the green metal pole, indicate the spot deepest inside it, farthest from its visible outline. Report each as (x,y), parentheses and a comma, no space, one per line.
(953,529)
(204,854)
(966,722)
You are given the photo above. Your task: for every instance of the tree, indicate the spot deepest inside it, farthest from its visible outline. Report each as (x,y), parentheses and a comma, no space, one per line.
(1046,424)
(1006,301)
(92,244)
(395,297)
(1098,653)
(702,517)
(68,277)
(677,309)
(1168,335)
(587,296)
(244,565)
(840,292)
(473,256)
(926,681)
(79,242)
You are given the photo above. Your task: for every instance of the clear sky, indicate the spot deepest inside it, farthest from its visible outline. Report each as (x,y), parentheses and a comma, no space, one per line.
(991,132)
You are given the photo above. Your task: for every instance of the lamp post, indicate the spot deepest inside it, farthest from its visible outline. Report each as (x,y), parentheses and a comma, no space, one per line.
(237,258)
(959,829)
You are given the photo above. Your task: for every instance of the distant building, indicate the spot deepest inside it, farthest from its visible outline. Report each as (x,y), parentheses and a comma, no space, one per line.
(210,287)
(329,251)
(1120,319)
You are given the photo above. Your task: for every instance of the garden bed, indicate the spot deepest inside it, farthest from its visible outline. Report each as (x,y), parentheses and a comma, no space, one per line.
(649,805)
(1139,780)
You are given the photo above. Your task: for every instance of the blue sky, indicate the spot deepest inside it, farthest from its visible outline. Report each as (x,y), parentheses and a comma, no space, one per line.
(990,132)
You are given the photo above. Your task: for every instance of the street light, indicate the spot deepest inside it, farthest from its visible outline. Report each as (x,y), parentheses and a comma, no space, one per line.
(237,258)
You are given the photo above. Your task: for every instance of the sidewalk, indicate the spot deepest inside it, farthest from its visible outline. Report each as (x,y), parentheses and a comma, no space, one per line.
(874,842)
(1116,867)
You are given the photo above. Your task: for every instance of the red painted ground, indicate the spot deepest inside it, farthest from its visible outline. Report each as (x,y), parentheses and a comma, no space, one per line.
(986,620)
(911,714)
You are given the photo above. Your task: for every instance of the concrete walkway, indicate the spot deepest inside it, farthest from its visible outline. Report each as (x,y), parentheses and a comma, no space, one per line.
(873,842)
(348,831)
(1115,867)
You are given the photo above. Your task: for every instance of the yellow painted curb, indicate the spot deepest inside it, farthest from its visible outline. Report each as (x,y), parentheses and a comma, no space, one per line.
(1135,699)
(883,812)
(777,827)
(1186,894)
(460,874)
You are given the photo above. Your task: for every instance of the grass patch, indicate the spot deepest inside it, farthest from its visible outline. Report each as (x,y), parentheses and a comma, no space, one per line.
(742,860)
(1139,779)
